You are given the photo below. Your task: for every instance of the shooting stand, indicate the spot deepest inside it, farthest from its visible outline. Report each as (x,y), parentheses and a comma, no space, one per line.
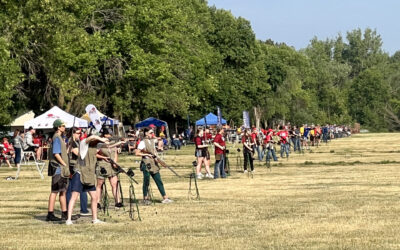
(104,198)
(133,202)
(191,194)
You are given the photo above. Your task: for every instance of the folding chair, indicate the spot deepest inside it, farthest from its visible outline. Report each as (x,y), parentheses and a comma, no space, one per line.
(25,160)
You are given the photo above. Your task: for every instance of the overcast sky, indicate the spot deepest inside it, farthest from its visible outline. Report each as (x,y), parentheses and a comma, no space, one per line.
(296,22)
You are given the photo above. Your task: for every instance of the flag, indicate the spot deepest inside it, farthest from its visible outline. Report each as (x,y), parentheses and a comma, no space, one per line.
(219,117)
(246,119)
(94,116)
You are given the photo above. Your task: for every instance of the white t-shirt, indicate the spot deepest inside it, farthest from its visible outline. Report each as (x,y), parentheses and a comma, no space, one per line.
(142,146)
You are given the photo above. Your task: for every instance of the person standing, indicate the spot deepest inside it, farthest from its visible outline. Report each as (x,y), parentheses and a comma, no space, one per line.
(146,149)
(248,151)
(219,143)
(59,171)
(104,168)
(283,134)
(18,143)
(202,155)
(73,152)
(269,145)
(84,177)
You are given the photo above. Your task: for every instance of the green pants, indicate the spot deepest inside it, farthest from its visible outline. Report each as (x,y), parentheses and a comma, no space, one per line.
(157,180)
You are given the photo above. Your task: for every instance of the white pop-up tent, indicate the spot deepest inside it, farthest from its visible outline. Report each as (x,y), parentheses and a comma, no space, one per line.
(45,120)
(19,122)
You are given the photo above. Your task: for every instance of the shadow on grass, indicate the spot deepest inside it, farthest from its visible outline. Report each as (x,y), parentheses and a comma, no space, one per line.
(352,163)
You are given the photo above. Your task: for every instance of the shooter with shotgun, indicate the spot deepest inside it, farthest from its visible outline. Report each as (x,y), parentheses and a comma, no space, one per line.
(84,178)
(105,170)
(147,150)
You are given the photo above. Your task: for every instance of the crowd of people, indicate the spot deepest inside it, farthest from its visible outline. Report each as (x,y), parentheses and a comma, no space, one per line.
(260,141)
(79,163)
(30,141)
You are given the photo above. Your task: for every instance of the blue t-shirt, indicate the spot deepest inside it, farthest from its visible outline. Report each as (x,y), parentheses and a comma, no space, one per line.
(56,146)
(57,150)
(306,131)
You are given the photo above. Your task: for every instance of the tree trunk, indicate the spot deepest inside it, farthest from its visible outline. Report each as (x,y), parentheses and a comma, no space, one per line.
(61,99)
(257,116)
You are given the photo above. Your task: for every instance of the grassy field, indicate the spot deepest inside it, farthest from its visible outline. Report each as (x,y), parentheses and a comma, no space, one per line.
(341,195)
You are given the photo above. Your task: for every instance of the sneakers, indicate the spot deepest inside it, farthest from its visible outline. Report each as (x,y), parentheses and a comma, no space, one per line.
(166,201)
(97,221)
(85,214)
(245,171)
(68,222)
(52,217)
(210,176)
(119,205)
(199,176)
(146,202)
(253,171)
(64,216)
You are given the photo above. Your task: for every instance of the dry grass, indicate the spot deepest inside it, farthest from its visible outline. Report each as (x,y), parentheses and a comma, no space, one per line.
(340,195)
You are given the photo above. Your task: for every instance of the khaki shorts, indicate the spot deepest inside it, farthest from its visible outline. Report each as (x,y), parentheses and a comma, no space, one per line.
(110,171)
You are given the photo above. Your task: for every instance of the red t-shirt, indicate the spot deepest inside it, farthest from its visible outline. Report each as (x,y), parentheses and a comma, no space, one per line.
(198,141)
(83,136)
(268,136)
(36,140)
(221,141)
(7,148)
(283,135)
(254,137)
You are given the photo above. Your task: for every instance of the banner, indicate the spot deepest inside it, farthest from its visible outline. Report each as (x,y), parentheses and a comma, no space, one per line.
(94,116)
(219,117)
(246,119)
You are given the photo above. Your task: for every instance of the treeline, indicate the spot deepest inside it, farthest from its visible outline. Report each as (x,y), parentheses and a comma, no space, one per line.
(171,59)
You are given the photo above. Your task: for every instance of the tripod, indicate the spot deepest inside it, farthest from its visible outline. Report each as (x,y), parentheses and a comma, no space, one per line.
(104,199)
(193,194)
(133,203)
(239,161)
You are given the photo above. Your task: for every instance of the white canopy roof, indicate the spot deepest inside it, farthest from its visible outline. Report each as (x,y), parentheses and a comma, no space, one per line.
(45,121)
(20,120)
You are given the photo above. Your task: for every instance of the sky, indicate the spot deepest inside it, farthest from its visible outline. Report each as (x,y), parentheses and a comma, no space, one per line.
(296,22)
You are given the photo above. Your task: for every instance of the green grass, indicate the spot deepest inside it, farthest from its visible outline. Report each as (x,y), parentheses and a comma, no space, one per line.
(346,195)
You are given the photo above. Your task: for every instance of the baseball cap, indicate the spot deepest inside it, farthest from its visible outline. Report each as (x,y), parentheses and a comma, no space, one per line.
(58,123)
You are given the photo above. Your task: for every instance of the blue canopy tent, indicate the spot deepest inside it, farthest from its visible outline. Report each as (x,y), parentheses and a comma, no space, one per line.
(155,122)
(149,121)
(211,120)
